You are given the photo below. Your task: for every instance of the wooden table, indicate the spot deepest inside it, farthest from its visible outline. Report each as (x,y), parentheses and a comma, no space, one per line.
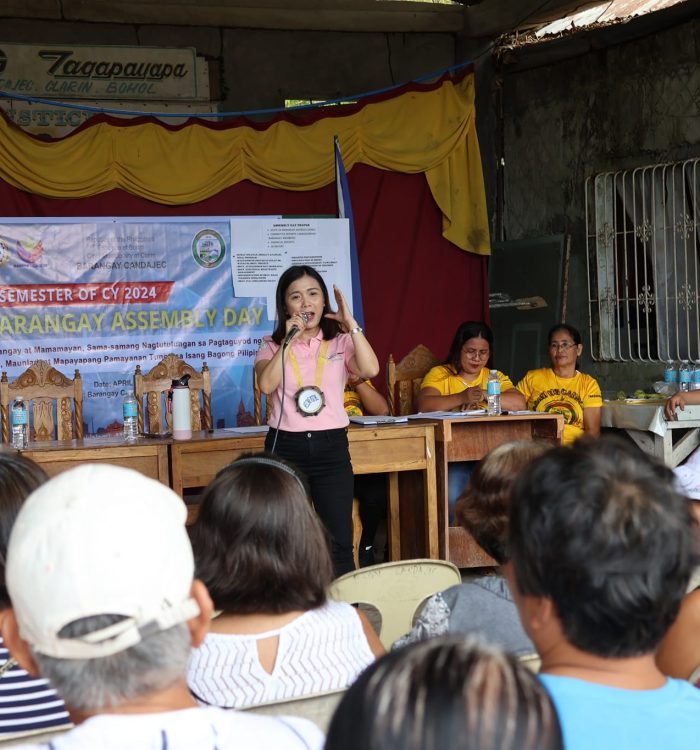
(406,452)
(646,424)
(470,439)
(149,456)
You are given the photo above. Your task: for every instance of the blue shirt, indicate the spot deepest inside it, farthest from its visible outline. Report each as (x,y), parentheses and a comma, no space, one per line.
(599,717)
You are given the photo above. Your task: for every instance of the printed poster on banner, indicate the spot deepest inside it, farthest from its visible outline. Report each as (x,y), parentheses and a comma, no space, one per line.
(102,295)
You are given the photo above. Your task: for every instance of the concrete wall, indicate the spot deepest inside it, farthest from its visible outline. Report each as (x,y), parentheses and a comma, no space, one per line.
(254,69)
(628,105)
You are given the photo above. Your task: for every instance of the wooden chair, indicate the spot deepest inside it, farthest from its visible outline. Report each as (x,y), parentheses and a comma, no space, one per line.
(396,589)
(55,402)
(408,374)
(155,386)
(257,403)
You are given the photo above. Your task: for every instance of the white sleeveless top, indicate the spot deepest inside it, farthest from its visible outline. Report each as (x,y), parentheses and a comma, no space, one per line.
(323,649)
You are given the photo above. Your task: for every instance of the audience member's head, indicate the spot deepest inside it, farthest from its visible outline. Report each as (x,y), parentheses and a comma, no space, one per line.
(445,693)
(259,547)
(19,477)
(100,573)
(600,531)
(483,509)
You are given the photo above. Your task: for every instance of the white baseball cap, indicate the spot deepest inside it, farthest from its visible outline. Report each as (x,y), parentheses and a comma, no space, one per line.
(99,540)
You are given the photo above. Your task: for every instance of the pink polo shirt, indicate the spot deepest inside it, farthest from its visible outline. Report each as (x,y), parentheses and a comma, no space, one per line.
(335,374)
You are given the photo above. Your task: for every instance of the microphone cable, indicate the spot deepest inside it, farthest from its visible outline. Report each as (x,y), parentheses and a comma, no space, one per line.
(285,345)
(284,375)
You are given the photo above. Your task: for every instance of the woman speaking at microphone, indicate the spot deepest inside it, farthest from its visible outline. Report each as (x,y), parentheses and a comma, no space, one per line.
(304,366)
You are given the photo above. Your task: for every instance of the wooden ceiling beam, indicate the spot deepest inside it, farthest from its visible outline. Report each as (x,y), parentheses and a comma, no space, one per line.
(308,15)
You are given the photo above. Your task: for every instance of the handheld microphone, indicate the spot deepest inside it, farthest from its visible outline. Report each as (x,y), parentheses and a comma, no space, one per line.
(292,332)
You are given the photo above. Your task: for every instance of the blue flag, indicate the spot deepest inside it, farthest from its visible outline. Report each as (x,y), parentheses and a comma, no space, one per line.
(345,212)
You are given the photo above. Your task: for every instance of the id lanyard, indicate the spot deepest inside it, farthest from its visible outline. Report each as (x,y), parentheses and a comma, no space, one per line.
(314,394)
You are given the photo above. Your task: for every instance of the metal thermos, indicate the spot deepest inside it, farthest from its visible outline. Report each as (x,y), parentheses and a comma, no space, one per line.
(180,405)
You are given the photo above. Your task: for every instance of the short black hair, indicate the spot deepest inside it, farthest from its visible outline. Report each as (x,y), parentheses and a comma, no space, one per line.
(573,332)
(470,329)
(600,530)
(329,328)
(19,477)
(452,692)
(258,545)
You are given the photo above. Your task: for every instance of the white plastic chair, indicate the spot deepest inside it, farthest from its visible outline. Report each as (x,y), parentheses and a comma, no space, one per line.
(396,589)
(318,707)
(531,661)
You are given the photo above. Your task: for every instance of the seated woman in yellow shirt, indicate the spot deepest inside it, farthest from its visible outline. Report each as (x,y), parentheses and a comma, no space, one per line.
(562,389)
(460,383)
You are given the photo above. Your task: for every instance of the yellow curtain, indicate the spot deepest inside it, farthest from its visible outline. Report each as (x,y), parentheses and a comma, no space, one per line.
(431,131)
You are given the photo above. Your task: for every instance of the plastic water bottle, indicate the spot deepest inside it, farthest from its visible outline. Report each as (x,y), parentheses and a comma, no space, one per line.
(671,375)
(685,375)
(493,394)
(131,421)
(20,424)
(695,385)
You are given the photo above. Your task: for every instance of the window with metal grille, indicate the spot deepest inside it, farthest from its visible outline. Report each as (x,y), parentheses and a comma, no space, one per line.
(643,243)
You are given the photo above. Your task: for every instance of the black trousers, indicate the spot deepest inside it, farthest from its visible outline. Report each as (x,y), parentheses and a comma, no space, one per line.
(324,457)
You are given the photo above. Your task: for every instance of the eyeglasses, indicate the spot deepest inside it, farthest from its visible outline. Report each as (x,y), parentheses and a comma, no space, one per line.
(563,346)
(480,353)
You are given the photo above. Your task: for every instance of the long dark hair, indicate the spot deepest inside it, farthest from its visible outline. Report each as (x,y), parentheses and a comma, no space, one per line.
(258,545)
(329,328)
(470,329)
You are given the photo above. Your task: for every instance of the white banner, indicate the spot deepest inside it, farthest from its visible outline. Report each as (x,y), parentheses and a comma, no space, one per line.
(102,295)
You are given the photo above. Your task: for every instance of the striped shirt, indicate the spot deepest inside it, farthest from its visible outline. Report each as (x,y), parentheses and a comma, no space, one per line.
(324,649)
(27,703)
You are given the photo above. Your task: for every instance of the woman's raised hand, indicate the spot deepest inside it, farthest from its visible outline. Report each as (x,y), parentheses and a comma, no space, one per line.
(344,314)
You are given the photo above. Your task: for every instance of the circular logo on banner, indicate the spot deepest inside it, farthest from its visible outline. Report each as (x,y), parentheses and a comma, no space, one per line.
(4,253)
(30,251)
(208,248)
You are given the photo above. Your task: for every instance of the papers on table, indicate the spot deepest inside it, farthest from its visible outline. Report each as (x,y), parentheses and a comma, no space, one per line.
(459,414)
(251,430)
(371,420)
(448,414)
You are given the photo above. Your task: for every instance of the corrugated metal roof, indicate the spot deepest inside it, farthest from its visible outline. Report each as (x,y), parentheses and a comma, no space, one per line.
(601,13)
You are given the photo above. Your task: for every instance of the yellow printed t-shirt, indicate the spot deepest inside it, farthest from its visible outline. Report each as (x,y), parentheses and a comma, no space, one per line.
(444,379)
(352,401)
(544,391)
